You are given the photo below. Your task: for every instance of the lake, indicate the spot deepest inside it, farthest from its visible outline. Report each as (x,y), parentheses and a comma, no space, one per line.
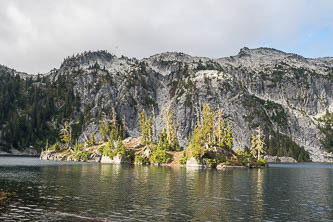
(63,191)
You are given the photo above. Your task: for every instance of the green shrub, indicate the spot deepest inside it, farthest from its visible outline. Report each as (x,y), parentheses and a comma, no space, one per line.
(141,159)
(243,158)
(54,147)
(244,161)
(198,151)
(78,146)
(101,149)
(107,149)
(82,156)
(120,150)
(138,159)
(227,163)
(261,162)
(221,158)
(184,159)
(160,156)
(211,162)
(91,141)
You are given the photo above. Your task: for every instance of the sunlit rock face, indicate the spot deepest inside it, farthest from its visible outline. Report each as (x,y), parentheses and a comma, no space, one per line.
(283,93)
(117,159)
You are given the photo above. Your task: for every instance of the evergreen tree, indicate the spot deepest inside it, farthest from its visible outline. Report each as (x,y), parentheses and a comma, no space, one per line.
(253,149)
(163,143)
(259,143)
(66,134)
(124,127)
(77,146)
(114,124)
(197,145)
(207,124)
(170,131)
(327,129)
(145,128)
(210,131)
(107,149)
(91,141)
(104,128)
(220,133)
(229,138)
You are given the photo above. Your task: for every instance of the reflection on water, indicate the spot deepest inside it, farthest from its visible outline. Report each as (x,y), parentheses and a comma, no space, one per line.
(99,192)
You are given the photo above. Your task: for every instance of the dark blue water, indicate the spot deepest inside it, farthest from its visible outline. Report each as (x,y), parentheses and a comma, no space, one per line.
(60,191)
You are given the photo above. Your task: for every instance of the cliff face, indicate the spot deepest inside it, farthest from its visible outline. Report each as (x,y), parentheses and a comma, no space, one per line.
(283,93)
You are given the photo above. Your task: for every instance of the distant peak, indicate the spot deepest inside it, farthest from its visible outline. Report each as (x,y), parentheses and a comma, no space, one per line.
(261,53)
(91,54)
(87,56)
(272,50)
(261,50)
(244,51)
(170,56)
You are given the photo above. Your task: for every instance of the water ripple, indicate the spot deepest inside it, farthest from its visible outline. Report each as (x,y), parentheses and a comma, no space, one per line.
(94,192)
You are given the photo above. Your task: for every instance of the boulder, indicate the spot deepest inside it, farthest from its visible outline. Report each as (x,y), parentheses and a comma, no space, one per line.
(106,159)
(192,162)
(147,153)
(43,156)
(47,155)
(281,159)
(95,159)
(271,159)
(133,143)
(285,159)
(117,159)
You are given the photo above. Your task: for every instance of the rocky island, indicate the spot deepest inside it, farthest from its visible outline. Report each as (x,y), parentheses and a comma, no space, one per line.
(210,144)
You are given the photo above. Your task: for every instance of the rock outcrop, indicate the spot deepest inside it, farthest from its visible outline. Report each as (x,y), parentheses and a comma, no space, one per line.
(117,159)
(282,159)
(192,162)
(286,159)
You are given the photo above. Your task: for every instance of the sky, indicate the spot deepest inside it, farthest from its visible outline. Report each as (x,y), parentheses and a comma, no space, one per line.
(36,35)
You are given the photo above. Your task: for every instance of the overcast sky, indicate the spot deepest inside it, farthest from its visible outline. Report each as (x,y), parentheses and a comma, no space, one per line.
(36,35)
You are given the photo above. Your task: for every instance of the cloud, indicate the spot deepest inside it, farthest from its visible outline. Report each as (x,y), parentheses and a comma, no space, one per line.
(36,35)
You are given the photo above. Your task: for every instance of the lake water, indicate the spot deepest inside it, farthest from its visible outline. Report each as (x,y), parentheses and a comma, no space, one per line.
(62,191)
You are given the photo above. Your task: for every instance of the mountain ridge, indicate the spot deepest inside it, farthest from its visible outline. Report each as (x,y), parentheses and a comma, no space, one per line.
(242,51)
(284,93)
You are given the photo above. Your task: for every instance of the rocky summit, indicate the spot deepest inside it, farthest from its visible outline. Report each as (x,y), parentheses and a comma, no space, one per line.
(290,97)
